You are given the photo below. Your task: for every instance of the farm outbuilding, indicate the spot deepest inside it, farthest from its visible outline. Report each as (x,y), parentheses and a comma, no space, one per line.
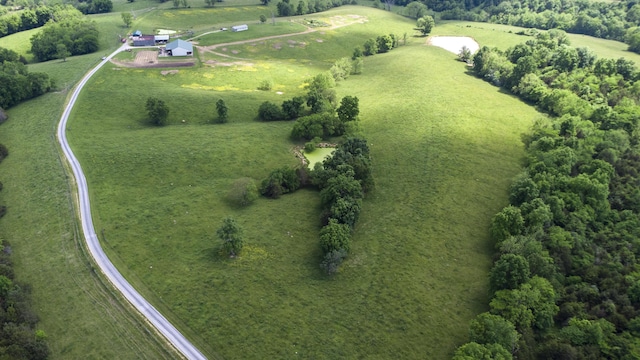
(144,40)
(240,28)
(179,48)
(161,39)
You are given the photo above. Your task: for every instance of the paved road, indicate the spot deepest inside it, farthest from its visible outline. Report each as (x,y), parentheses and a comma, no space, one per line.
(143,306)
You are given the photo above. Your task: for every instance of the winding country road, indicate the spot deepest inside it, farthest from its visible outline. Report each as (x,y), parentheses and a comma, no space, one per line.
(153,316)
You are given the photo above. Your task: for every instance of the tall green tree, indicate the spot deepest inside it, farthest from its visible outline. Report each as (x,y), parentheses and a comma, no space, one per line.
(127,18)
(487,328)
(425,24)
(348,109)
(230,234)
(509,272)
(223,111)
(157,111)
(62,52)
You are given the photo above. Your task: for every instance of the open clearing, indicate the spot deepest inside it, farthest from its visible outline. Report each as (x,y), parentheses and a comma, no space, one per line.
(421,251)
(454,44)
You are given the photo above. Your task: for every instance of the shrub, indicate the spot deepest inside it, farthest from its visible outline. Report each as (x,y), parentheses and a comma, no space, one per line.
(280,181)
(332,261)
(265,85)
(310,146)
(243,192)
(269,111)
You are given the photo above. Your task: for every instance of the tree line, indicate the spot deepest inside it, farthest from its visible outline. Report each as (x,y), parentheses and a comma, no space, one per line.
(615,20)
(286,8)
(17,83)
(565,281)
(37,16)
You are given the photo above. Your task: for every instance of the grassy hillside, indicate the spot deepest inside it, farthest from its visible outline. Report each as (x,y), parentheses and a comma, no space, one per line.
(444,143)
(421,252)
(502,37)
(82,317)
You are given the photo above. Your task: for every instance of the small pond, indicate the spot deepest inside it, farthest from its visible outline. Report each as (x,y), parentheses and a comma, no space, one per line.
(317,155)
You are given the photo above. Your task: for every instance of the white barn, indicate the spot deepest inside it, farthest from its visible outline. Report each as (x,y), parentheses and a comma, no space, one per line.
(179,48)
(242,27)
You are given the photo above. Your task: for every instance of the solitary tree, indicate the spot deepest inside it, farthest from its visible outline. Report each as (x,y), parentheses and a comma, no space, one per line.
(222,111)
(127,18)
(425,24)
(62,52)
(230,234)
(157,110)
(348,110)
(263,19)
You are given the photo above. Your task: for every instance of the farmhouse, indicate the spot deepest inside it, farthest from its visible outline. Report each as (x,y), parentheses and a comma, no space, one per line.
(144,40)
(179,48)
(240,28)
(161,39)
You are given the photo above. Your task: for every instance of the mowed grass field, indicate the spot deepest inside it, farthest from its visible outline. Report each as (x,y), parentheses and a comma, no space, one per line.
(445,146)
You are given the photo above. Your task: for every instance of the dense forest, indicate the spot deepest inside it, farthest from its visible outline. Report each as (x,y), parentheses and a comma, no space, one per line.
(17,83)
(565,283)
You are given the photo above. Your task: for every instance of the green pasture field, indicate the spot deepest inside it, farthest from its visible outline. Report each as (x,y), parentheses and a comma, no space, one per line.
(417,273)
(444,145)
(504,36)
(19,42)
(326,45)
(255,31)
(200,19)
(81,315)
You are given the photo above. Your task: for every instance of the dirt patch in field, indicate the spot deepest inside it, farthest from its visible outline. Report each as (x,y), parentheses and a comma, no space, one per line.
(169,72)
(146,58)
(454,44)
(214,63)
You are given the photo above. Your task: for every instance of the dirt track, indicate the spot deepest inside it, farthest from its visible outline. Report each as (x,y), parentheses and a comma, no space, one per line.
(336,22)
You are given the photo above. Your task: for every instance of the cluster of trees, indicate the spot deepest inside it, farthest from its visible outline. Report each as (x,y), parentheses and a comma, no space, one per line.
(36,17)
(318,117)
(379,45)
(617,20)
(58,40)
(565,282)
(94,6)
(342,179)
(286,8)
(17,83)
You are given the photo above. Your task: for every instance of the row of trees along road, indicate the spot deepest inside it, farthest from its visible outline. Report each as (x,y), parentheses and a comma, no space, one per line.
(616,20)
(566,282)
